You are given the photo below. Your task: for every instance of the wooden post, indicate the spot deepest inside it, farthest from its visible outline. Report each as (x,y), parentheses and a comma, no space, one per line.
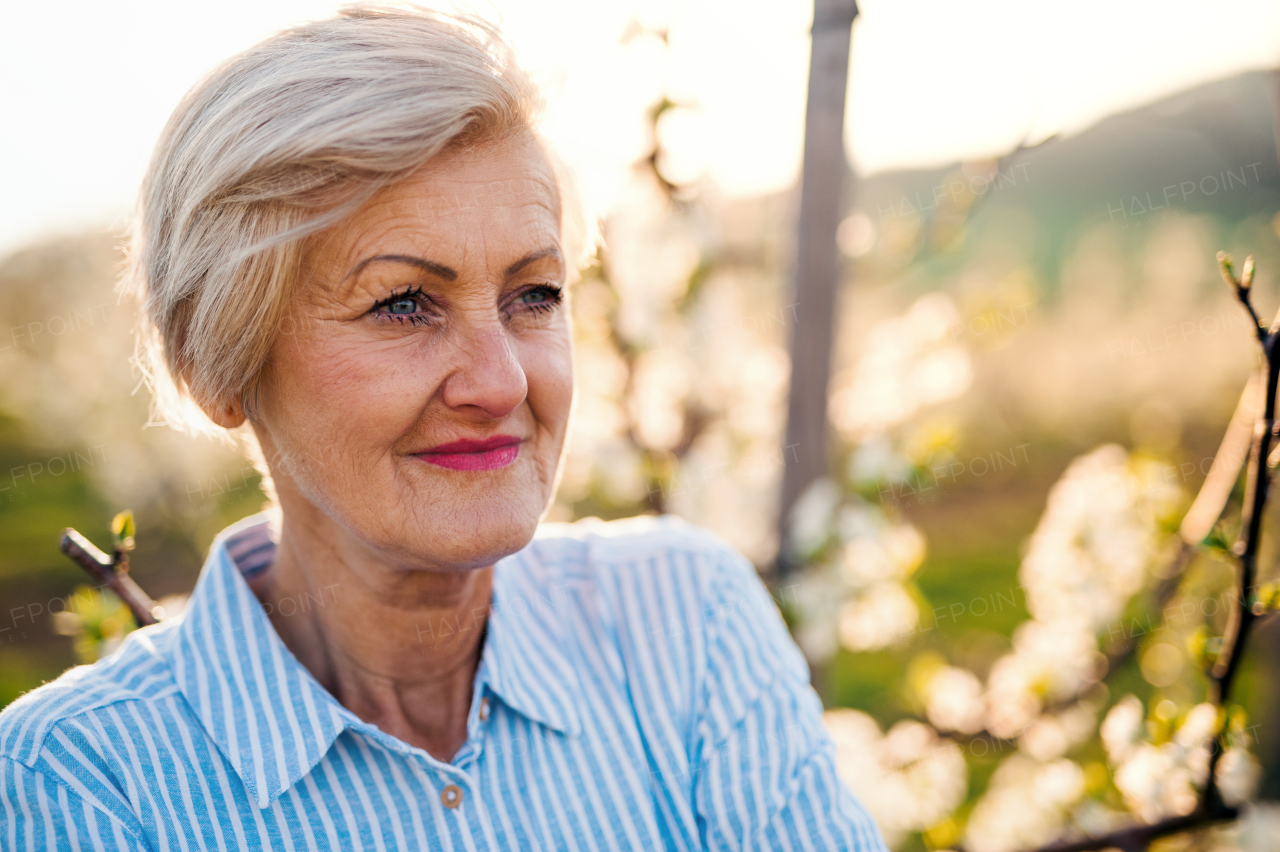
(817,268)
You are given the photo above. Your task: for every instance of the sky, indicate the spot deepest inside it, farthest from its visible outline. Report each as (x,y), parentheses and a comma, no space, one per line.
(86,88)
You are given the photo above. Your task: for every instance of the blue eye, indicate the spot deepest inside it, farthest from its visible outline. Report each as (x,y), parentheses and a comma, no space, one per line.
(543,298)
(405,308)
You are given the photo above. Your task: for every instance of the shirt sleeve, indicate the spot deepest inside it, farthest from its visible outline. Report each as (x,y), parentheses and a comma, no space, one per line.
(40,813)
(765,772)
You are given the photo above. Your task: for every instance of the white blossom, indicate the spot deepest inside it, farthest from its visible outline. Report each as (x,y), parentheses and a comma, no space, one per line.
(876,460)
(1088,556)
(906,362)
(954,700)
(908,779)
(893,554)
(1200,724)
(1049,659)
(1051,736)
(1238,774)
(1090,551)
(811,517)
(1163,780)
(818,595)
(1025,804)
(1156,782)
(857,518)
(1258,829)
(1122,728)
(877,617)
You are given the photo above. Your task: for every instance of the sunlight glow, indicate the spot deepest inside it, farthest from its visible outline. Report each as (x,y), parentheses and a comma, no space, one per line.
(84,98)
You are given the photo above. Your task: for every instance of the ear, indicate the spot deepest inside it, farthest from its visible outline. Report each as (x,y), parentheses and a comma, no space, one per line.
(228,414)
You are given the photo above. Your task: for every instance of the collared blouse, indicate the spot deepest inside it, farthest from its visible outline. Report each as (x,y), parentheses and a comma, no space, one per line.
(637,689)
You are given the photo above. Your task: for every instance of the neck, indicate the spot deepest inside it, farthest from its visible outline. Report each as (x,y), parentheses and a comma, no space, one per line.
(397,647)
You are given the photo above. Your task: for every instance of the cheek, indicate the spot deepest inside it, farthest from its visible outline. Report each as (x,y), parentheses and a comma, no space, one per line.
(338,390)
(548,366)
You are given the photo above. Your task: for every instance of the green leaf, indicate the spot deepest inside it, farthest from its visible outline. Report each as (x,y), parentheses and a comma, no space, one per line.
(122,530)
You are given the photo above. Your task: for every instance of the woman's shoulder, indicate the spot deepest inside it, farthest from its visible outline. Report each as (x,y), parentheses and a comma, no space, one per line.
(136,671)
(676,599)
(647,549)
(656,573)
(644,537)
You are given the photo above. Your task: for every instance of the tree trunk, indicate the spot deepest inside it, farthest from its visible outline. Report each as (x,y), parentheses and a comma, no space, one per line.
(817,265)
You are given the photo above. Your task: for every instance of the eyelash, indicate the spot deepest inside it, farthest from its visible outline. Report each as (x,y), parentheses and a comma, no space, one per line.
(407,293)
(554,296)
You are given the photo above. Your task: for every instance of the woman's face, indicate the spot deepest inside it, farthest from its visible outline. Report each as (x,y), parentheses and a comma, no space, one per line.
(419,391)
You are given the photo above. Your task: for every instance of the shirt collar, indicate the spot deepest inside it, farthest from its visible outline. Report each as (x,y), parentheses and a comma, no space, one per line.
(274,722)
(528,659)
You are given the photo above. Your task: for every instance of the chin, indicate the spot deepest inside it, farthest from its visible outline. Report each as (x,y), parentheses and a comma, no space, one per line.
(467,532)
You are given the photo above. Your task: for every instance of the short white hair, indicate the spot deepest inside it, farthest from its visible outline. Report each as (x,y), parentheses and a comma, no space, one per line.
(288,138)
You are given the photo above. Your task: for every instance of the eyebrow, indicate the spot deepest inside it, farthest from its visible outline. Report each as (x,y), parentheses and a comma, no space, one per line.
(421,262)
(446,272)
(533,257)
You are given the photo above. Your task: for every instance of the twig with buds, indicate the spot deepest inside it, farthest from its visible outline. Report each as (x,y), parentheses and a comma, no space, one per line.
(113,571)
(1257,486)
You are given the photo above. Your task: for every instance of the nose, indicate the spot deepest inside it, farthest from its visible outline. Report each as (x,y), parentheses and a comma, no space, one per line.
(488,379)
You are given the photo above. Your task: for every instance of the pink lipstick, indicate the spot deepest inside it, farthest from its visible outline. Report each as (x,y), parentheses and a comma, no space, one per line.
(489,454)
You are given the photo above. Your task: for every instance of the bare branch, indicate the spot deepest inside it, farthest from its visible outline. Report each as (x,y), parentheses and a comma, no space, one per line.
(1241,288)
(105,570)
(1136,838)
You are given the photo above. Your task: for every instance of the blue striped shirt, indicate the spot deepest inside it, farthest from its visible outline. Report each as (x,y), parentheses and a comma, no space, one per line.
(637,689)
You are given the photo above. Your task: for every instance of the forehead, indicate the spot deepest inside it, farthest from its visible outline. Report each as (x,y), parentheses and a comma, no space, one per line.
(497,192)
(512,172)
(452,193)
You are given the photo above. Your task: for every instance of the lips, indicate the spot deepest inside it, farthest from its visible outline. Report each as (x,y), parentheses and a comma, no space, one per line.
(489,454)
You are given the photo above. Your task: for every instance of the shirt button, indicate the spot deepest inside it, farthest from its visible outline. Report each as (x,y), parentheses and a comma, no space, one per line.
(484,708)
(451,796)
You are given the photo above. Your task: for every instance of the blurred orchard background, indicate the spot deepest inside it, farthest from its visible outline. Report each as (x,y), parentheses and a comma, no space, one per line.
(1035,361)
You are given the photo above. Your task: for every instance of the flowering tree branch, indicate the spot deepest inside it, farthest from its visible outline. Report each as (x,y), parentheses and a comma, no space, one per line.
(1198,522)
(1211,808)
(658,464)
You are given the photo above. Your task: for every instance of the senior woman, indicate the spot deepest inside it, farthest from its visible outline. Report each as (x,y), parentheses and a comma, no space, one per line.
(353,246)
